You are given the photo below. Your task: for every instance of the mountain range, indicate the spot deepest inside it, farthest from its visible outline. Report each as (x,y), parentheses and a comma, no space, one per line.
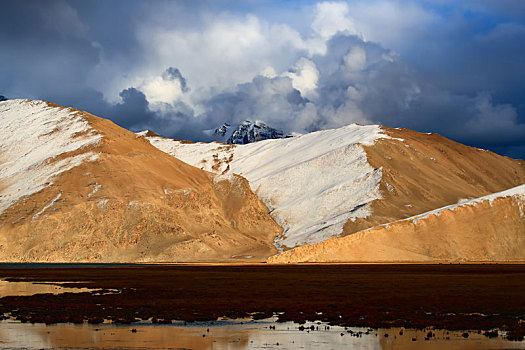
(75,187)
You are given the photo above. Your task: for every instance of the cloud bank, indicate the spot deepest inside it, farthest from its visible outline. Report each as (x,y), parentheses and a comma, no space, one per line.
(180,68)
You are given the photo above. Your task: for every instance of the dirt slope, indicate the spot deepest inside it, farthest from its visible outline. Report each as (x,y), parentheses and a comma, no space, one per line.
(428,171)
(351,183)
(131,203)
(422,172)
(79,188)
(490,228)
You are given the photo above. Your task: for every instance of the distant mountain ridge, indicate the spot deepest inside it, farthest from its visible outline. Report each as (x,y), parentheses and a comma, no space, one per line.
(246,132)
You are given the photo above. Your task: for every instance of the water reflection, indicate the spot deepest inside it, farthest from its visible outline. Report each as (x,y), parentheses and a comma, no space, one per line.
(22,288)
(234,335)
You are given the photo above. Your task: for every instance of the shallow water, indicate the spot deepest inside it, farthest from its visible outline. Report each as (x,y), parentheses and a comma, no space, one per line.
(21,288)
(64,265)
(234,335)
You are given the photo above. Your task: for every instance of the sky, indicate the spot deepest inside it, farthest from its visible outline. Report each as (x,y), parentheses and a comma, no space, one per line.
(180,68)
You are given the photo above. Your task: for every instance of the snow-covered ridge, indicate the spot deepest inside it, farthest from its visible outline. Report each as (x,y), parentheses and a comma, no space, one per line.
(33,135)
(516,192)
(311,183)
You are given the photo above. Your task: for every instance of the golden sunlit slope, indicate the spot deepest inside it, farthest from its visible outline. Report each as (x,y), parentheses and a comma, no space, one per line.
(422,172)
(336,183)
(75,187)
(490,228)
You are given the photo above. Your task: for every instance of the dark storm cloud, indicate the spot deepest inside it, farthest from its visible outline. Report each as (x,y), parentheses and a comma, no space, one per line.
(47,55)
(44,51)
(461,73)
(133,111)
(175,74)
(273,100)
(490,60)
(361,80)
(389,93)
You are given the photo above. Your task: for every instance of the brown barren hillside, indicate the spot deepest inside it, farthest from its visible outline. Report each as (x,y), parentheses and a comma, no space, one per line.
(428,171)
(129,202)
(420,173)
(75,187)
(490,228)
(334,183)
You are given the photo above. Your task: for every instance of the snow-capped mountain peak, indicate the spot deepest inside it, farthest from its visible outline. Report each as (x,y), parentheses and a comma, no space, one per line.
(245,132)
(248,132)
(222,130)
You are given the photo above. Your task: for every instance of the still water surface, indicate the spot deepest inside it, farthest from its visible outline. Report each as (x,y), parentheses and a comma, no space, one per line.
(234,335)
(22,288)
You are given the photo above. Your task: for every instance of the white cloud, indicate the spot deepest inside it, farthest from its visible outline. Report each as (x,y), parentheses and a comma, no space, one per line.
(304,77)
(331,18)
(355,60)
(268,72)
(158,89)
(391,23)
(225,52)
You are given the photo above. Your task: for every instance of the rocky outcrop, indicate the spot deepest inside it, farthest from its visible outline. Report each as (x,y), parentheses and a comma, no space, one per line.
(246,132)
(222,130)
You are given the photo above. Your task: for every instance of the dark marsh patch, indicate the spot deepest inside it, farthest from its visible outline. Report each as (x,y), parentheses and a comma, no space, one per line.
(481,297)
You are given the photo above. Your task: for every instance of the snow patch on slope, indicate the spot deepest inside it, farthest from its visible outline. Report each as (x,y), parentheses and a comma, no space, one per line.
(96,188)
(518,192)
(48,205)
(34,134)
(312,183)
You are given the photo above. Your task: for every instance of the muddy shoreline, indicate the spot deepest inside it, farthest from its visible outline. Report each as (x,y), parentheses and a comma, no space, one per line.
(454,297)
